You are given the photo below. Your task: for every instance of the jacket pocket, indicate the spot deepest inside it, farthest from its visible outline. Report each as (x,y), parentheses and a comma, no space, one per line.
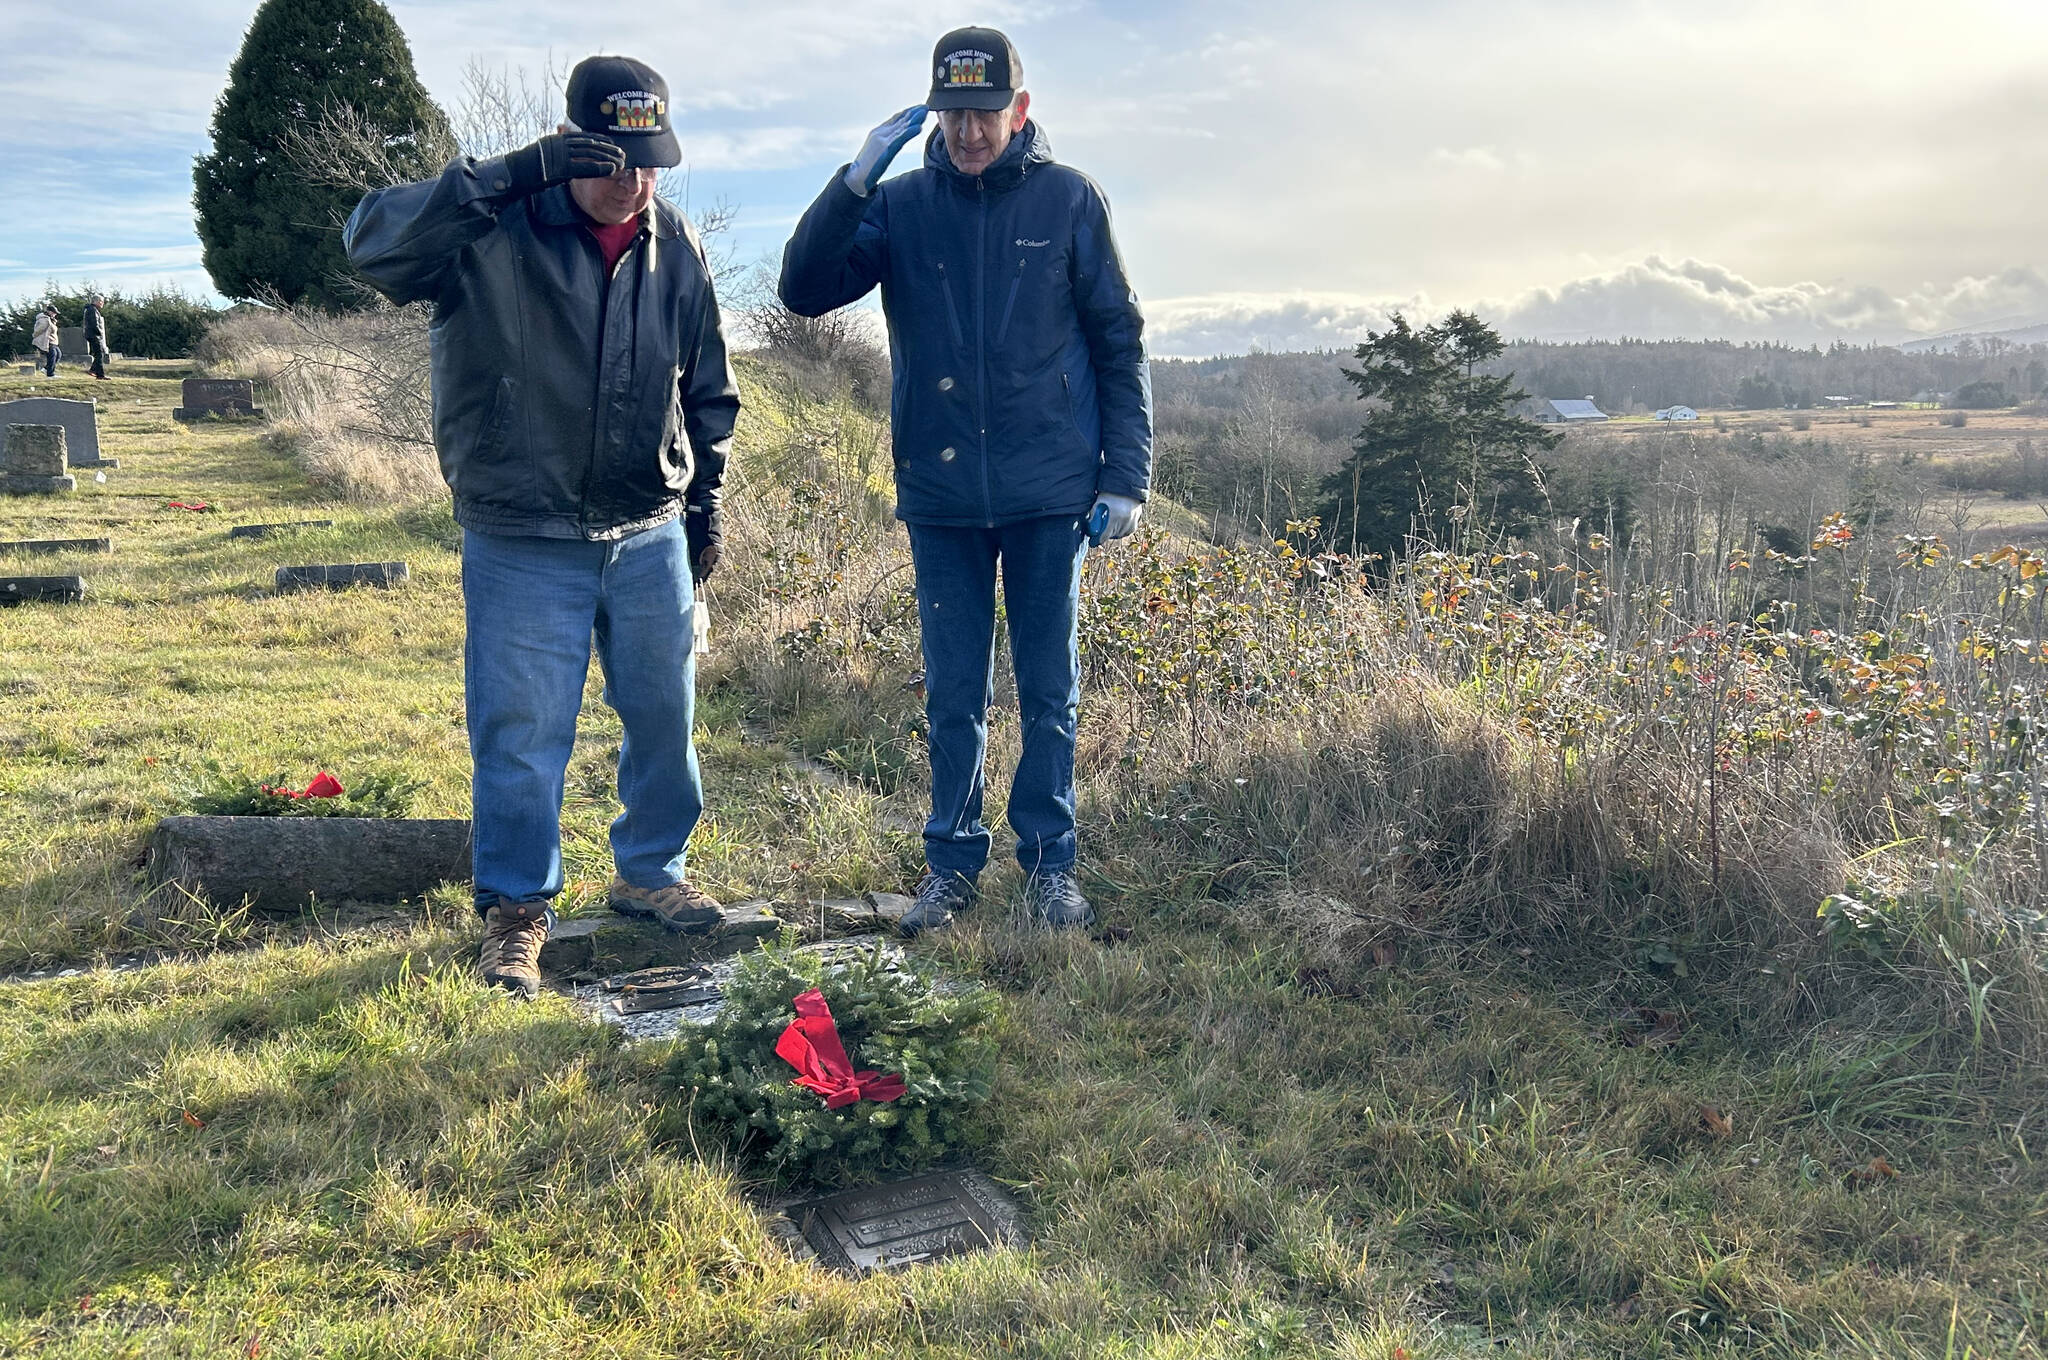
(490,435)
(1073,416)
(1010,306)
(952,312)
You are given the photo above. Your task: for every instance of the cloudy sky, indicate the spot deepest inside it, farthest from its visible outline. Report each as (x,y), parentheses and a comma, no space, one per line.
(1283,174)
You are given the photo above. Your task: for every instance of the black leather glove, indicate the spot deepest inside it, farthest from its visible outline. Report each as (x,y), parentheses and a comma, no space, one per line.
(562,156)
(705,530)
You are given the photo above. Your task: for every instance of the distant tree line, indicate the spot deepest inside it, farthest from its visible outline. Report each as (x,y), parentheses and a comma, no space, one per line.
(1646,375)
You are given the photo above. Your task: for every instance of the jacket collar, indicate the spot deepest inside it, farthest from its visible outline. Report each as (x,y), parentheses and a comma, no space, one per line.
(1029,148)
(555,208)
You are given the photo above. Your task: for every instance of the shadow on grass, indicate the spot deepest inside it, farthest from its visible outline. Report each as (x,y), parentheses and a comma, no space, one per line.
(152,1114)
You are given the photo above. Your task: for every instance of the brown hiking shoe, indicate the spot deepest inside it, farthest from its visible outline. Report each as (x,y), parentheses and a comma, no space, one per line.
(678,906)
(510,957)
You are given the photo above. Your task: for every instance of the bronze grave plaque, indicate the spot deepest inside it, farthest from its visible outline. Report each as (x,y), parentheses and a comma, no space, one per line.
(904,1223)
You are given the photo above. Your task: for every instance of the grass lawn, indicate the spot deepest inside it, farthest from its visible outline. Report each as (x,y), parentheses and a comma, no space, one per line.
(325,1139)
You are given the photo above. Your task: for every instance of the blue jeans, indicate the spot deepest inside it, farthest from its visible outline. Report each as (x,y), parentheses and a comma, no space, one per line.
(1040,560)
(532,606)
(50,358)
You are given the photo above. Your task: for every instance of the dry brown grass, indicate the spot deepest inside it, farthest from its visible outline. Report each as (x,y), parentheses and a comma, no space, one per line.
(347,396)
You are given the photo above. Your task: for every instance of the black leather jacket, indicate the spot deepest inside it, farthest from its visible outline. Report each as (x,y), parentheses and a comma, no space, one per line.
(566,404)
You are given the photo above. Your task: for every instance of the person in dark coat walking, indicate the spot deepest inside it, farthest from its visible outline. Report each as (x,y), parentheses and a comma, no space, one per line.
(96,335)
(583,410)
(1022,425)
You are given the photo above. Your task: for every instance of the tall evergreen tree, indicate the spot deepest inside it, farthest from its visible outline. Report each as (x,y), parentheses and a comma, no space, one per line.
(1441,450)
(265,222)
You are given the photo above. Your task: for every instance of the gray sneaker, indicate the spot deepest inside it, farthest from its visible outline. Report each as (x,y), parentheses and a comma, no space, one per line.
(1054,895)
(938,897)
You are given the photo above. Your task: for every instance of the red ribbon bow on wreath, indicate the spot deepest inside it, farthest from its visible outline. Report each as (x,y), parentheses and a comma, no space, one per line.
(812,1046)
(324,785)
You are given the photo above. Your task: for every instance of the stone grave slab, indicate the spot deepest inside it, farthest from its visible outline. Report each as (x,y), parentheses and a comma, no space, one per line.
(218,398)
(908,1222)
(588,946)
(48,589)
(80,420)
(71,339)
(56,545)
(32,461)
(269,530)
(341,575)
(282,863)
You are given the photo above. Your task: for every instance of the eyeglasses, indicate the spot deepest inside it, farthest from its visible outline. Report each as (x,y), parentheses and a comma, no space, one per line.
(988,122)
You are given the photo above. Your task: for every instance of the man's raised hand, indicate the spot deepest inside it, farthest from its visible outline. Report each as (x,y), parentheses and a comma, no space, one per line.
(881,148)
(563,156)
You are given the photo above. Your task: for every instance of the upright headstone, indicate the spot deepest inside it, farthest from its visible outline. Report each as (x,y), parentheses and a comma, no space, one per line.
(71,339)
(80,420)
(32,461)
(222,398)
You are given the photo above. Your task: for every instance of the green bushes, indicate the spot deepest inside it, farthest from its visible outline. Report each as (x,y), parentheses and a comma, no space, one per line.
(160,324)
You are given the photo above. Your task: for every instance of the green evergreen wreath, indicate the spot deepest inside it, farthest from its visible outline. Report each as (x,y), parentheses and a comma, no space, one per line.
(891,1017)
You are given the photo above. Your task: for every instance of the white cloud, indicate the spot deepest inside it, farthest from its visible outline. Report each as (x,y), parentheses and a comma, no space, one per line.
(1654,299)
(1482,158)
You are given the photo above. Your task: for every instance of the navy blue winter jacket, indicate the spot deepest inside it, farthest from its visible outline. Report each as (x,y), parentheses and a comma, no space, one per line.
(1021,387)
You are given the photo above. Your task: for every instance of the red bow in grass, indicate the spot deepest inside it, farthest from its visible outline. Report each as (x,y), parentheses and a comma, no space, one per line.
(180,505)
(811,1045)
(324,785)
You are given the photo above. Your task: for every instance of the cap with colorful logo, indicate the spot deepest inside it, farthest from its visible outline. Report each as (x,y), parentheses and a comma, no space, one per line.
(974,68)
(627,102)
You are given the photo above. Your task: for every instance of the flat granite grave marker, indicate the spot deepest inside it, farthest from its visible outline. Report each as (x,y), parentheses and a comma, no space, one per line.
(925,1218)
(32,461)
(49,589)
(266,530)
(56,545)
(281,863)
(221,398)
(80,420)
(341,575)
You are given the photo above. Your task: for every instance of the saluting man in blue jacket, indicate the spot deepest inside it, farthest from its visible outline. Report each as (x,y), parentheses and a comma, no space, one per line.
(583,410)
(1022,412)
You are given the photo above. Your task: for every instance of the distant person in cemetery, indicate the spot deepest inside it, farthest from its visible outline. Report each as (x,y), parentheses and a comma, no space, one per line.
(583,410)
(96,334)
(45,340)
(1022,417)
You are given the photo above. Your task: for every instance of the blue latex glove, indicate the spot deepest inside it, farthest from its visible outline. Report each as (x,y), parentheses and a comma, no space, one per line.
(1114,516)
(881,148)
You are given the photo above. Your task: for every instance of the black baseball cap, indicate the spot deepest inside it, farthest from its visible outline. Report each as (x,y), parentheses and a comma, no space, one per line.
(627,102)
(974,68)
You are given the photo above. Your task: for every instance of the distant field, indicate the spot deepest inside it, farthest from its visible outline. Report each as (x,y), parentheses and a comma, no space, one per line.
(1891,438)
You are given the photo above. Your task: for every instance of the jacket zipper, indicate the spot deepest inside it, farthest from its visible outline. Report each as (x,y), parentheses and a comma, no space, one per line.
(604,324)
(988,500)
(1003,327)
(952,311)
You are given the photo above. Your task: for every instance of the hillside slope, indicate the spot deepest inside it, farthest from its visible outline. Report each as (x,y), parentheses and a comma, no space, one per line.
(1463,1106)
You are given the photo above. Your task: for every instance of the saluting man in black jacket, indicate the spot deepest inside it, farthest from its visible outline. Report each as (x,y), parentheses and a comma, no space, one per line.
(583,409)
